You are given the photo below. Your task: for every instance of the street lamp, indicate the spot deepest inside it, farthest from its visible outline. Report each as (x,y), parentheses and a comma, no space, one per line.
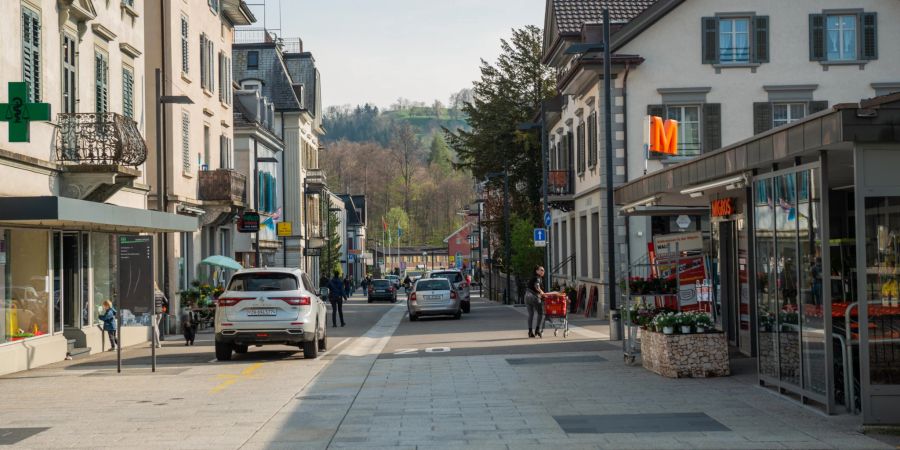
(507,257)
(615,331)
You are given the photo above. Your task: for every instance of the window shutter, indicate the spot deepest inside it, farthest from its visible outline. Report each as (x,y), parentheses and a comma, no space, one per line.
(185,142)
(762,117)
(185,67)
(817,105)
(817,37)
(712,127)
(656,110)
(761,39)
(710,45)
(211,59)
(202,60)
(31,58)
(869,39)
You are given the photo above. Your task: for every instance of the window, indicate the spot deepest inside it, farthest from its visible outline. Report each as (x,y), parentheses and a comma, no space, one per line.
(206,148)
(185,142)
(224,79)
(207,63)
(70,81)
(185,67)
(843,37)
(128,92)
(129,3)
(688,118)
(581,147)
(592,140)
(31,53)
(840,37)
(785,113)
(734,40)
(101,83)
(252,60)
(225,158)
(213,6)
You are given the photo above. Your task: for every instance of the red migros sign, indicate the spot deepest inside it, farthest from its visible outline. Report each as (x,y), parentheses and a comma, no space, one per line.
(722,207)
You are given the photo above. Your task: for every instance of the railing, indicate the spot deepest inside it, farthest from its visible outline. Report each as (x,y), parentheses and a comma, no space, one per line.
(315,178)
(254,36)
(291,45)
(559,182)
(222,185)
(99,139)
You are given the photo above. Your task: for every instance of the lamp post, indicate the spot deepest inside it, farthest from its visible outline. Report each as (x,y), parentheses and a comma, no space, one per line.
(257,160)
(507,257)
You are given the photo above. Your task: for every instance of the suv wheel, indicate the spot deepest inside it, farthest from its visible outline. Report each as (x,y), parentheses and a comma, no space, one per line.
(323,342)
(310,349)
(241,349)
(223,351)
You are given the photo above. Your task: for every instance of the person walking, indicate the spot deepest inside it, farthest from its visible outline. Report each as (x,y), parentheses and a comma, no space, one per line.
(336,297)
(533,302)
(190,321)
(348,285)
(108,316)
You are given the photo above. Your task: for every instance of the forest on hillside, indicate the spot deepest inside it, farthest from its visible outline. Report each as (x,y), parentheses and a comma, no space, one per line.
(400,160)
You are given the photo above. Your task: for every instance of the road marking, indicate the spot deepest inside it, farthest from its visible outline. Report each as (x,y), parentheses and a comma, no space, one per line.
(335,347)
(415,351)
(231,379)
(374,341)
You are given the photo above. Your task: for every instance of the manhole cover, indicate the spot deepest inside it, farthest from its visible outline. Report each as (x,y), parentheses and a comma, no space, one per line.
(555,360)
(639,423)
(12,436)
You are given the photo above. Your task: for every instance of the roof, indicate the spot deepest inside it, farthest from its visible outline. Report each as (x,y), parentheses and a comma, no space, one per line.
(571,15)
(458,230)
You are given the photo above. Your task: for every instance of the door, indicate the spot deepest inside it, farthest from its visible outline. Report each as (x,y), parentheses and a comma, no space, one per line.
(728,282)
(68,293)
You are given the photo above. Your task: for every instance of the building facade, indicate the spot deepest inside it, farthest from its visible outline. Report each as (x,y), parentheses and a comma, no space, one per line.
(355,243)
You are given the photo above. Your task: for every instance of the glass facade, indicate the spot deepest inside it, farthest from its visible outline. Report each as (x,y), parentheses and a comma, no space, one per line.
(882,219)
(26,306)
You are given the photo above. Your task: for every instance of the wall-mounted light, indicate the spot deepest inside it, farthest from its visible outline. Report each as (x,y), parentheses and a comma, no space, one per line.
(734,183)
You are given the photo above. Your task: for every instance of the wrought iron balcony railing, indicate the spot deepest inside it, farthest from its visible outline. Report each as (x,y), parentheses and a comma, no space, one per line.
(560,182)
(99,139)
(222,185)
(316,180)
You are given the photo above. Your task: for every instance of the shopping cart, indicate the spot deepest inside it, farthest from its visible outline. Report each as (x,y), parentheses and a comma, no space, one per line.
(556,309)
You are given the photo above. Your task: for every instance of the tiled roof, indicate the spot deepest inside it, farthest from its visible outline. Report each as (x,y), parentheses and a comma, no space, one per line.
(572,14)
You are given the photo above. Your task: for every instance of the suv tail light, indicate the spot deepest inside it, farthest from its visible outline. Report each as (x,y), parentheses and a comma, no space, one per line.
(453,294)
(231,301)
(294,301)
(412,297)
(392,289)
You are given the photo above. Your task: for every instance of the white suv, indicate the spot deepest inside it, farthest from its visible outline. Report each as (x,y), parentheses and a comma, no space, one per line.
(270,306)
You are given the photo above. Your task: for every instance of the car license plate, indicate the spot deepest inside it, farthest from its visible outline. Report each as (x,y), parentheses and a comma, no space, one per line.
(261,312)
(381,290)
(433,297)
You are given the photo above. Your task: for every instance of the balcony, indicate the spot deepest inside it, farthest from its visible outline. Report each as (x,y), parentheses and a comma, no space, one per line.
(223,186)
(316,180)
(100,154)
(560,189)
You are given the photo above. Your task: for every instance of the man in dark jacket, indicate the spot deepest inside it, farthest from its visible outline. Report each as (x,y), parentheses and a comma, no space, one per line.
(336,297)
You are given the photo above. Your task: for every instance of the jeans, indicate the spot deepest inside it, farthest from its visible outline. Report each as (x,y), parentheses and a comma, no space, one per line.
(113,342)
(533,303)
(337,308)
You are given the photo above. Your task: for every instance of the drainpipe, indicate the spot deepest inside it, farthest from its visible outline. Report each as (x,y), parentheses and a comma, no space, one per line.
(625,145)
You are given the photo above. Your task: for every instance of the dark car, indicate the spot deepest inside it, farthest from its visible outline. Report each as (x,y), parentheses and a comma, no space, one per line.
(382,289)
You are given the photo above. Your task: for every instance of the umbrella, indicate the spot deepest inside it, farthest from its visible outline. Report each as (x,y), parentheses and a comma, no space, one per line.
(222,261)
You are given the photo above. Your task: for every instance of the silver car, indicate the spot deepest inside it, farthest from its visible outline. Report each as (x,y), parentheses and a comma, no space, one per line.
(459,282)
(434,297)
(271,306)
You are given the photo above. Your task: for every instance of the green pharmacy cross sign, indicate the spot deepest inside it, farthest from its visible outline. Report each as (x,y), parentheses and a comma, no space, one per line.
(19,113)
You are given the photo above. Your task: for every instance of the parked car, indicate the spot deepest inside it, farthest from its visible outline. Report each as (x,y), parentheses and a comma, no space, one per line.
(415,275)
(434,297)
(382,289)
(394,279)
(270,306)
(459,283)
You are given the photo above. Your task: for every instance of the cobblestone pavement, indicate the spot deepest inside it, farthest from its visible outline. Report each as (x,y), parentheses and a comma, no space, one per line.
(478,383)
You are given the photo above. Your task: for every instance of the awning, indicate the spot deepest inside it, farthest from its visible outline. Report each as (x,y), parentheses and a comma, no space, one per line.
(666,211)
(69,213)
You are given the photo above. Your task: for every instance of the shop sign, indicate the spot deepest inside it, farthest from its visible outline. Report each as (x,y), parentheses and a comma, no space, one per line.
(285,229)
(312,251)
(249,222)
(135,275)
(662,135)
(665,244)
(722,207)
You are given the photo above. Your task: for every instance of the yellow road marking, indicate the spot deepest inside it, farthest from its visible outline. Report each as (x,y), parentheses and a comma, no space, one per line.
(231,379)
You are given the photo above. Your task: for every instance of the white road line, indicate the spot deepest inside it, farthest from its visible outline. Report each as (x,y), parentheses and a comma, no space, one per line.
(212,360)
(374,341)
(335,347)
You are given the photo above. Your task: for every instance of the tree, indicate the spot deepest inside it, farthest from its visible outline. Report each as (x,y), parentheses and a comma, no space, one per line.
(397,219)
(406,152)
(440,154)
(330,260)
(508,93)
(525,256)
(438,108)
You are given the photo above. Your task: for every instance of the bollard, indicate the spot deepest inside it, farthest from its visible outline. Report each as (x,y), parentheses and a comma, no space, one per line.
(615,325)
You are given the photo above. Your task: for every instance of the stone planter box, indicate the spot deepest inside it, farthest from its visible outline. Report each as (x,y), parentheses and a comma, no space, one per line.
(685,355)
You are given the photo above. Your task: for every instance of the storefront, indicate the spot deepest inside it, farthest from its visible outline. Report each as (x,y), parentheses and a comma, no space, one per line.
(57,266)
(805,240)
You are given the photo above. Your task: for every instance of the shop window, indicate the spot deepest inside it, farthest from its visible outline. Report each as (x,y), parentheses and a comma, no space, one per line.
(103,259)
(883,299)
(24,284)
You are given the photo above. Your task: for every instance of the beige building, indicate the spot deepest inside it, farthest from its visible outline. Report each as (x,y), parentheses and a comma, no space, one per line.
(77,182)
(194,159)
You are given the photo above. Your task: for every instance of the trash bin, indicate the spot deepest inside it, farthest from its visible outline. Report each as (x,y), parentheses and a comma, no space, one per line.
(615,325)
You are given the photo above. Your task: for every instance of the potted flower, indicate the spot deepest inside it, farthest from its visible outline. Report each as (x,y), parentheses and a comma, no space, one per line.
(685,322)
(702,322)
(665,322)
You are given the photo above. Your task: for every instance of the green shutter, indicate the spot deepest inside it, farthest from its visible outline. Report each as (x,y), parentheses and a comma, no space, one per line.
(762,117)
(817,105)
(127,93)
(817,37)
(712,127)
(101,83)
(761,39)
(710,40)
(31,53)
(869,33)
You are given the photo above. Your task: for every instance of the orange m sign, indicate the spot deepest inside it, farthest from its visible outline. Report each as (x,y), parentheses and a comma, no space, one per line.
(663,135)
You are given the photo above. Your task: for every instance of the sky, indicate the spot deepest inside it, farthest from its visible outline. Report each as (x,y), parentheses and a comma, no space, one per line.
(379,50)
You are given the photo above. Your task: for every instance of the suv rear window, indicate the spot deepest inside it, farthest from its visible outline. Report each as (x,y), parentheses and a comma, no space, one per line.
(251,282)
(381,283)
(454,277)
(433,285)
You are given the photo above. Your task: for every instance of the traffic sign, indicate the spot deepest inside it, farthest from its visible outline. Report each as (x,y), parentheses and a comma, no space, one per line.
(540,237)
(548,219)
(683,221)
(285,229)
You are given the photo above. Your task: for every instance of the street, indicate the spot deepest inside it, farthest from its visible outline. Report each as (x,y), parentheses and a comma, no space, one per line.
(386,382)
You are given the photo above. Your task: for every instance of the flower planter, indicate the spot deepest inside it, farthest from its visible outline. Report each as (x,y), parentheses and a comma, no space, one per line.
(685,329)
(668,330)
(701,330)
(685,355)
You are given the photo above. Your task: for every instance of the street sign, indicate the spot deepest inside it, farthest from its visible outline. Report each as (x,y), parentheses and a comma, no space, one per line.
(548,219)
(249,222)
(351,258)
(312,251)
(19,113)
(683,221)
(134,280)
(540,237)
(285,229)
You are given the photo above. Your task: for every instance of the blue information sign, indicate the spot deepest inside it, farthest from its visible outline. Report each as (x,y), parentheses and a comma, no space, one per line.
(548,219)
